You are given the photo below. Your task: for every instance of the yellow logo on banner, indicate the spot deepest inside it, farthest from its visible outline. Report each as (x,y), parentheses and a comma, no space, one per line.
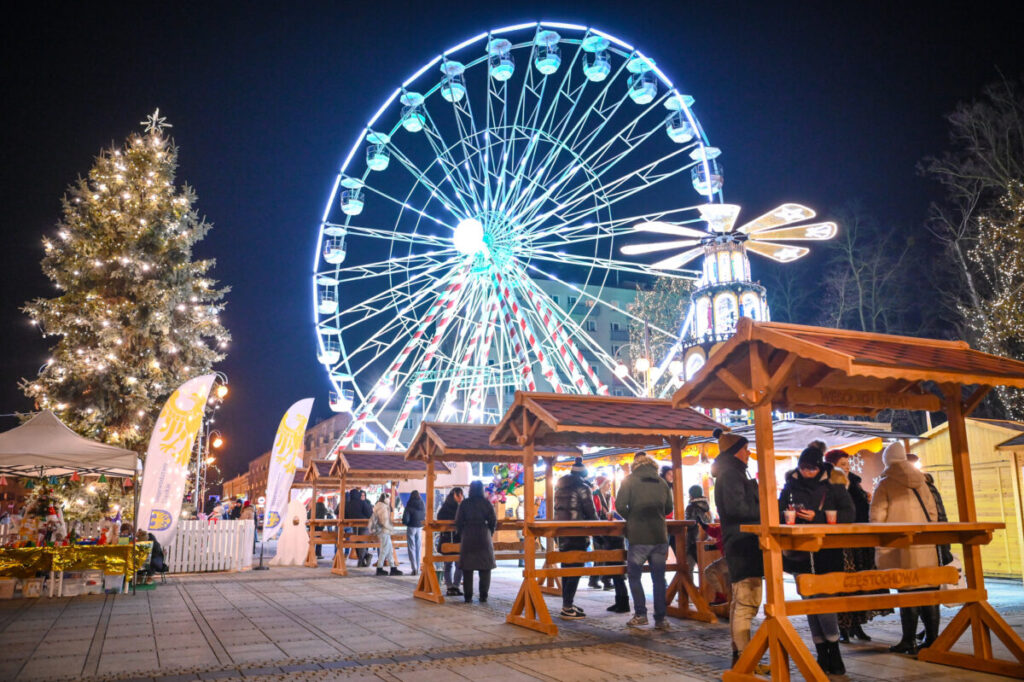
(288,444)
(159,520)
(273,518)
(177,424)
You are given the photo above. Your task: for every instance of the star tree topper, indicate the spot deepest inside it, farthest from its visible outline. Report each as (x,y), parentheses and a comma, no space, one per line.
(155,123)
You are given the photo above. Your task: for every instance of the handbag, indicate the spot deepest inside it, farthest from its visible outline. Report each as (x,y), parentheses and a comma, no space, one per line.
(945,552)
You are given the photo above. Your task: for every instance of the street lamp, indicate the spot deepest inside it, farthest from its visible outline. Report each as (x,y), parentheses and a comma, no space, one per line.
(217,396)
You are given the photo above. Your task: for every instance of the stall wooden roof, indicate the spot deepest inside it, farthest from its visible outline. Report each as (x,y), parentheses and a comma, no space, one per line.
(818,369)
(377,466)
(1015,443)
(471,443)
(599,420)
(319,471)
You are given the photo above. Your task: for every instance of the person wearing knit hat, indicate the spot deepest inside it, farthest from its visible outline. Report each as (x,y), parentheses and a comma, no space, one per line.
(644,500)
(737,500)
(902,496)
(574,501)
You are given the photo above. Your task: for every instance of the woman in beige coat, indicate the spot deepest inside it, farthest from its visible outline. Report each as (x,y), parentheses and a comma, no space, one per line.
(902,496)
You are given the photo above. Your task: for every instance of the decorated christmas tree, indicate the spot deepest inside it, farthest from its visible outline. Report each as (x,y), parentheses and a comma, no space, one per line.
(999,258)
(135,315)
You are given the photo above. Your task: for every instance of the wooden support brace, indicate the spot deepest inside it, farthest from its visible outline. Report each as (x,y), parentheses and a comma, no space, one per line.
(982,620)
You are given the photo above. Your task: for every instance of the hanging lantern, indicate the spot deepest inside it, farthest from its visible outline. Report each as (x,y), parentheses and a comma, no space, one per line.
(30,484)
(53,480)
(75,477)
(3,480)
(103,478)
(127,483)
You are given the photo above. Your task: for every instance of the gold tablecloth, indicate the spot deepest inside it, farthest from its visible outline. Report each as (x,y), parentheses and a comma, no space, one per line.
(25,562)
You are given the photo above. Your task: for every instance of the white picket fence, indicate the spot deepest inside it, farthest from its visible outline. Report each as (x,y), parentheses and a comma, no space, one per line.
(201,546)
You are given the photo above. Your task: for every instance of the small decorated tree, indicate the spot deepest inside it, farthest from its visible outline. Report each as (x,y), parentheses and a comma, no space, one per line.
(134,315)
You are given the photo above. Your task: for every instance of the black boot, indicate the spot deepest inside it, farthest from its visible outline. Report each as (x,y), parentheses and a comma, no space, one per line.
(930,618)
(835,659)
(844,635)
(594,583)
(858,632)
(908,621)
(823,660)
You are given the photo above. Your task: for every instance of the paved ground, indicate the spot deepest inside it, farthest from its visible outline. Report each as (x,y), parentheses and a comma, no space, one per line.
(305,624)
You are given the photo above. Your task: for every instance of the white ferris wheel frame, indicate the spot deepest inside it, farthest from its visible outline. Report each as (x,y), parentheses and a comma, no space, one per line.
(460,330)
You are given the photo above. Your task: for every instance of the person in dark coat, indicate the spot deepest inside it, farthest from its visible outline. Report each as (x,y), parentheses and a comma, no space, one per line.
(854,558)
(810,493)
(321,513)
(476,522)
(574,501)
(452,570)
(736,498)
(697,510)
(358,508)
(603,506)
(236,509)
(413,516)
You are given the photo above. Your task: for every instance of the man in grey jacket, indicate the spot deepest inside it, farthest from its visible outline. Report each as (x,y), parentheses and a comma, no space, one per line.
(644,500)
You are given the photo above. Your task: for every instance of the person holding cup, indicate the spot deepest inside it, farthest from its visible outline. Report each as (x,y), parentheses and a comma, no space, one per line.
(809,496)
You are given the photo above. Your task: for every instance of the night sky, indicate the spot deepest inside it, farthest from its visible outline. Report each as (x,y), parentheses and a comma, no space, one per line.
(808,102)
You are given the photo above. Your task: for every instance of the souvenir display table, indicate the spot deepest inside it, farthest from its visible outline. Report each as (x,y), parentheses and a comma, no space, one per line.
(26,562)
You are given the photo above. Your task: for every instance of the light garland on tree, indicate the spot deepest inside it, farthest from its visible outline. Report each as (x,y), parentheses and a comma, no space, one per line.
(136,315)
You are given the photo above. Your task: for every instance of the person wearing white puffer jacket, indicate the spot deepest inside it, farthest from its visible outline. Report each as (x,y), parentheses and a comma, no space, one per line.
(902,496)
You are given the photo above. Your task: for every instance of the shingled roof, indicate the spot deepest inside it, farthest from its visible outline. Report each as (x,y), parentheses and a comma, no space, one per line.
(819,369)
(379,465)
(600,420)
(471,443)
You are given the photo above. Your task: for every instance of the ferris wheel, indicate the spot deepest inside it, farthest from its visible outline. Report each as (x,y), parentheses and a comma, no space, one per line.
(503,170)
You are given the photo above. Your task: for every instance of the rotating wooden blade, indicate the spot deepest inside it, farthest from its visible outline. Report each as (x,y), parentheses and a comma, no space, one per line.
(638,249)
(783,215)
(814,232)
(720,217)
(679,260)
(659,227)
(783,253)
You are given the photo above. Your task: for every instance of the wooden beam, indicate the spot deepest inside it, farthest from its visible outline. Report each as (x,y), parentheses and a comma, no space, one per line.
(975,399)
(780,375)
(858,399)
(742,391)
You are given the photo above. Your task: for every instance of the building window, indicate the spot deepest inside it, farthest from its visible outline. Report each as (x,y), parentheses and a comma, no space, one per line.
(617,327)
(590,326)
(620,391)
(572,301)
(615,350)
(555,299)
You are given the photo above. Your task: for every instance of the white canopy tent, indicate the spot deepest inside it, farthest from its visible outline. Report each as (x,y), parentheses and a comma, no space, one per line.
(45,446)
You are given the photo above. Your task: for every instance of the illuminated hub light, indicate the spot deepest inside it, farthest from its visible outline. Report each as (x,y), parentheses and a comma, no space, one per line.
(621,370)
(643,364)
(469,237)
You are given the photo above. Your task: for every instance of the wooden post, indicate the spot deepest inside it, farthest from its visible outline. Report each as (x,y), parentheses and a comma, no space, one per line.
(428,587)
(551,584)
(311,525)
(339,566)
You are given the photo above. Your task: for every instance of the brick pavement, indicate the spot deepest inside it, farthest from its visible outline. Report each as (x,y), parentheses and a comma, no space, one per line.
(304,624)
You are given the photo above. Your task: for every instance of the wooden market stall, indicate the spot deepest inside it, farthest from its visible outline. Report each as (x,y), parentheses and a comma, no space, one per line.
(321,531)
(538,420)
(369,467)
(436,443)
(768,366)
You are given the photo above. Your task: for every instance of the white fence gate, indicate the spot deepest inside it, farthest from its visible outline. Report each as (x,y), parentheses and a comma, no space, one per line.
(211,546)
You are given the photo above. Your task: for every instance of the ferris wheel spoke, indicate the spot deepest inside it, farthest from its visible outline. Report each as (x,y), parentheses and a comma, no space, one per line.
(609,264)
(566,352)
(397,265)
(474,152)
(470,336)
(477,396)
(395,235)
(612,192)
(597,301)
(425,361)
(514,340)
(525,330)
(404,205)
(614,226)
(454,171)
(421,176)
(573,330)
(384,385)
(393,300)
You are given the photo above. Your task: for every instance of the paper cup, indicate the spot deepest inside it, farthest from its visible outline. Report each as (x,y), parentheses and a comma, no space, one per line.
(790,516)
(830,515)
